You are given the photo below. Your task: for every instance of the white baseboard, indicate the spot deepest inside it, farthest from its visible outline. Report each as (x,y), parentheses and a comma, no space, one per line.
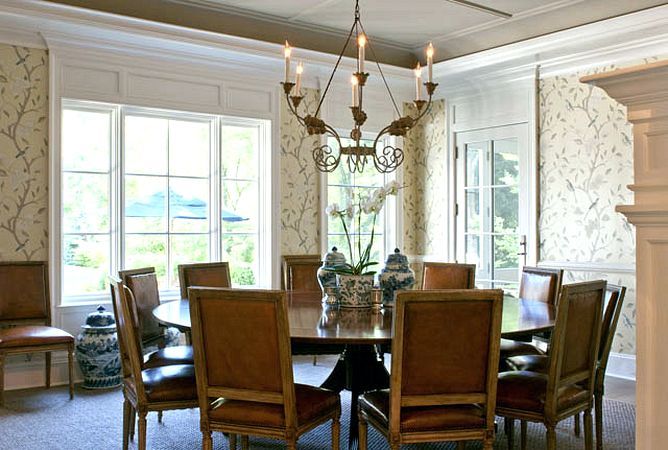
(21,373)
(621,365)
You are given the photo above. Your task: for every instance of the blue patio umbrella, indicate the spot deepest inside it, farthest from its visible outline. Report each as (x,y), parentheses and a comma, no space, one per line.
(180,208)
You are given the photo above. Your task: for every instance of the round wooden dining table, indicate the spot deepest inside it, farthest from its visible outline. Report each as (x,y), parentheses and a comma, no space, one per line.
(361,330)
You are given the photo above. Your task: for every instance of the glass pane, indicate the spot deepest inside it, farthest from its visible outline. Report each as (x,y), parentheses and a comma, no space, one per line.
(506,162)
(509,289)
(86,140)
(85,264)
(85,203)
(240,152)
(189,145)
(342,176)
(473,217)
(472,248)
(506,260)
(188,205)
(239,211)
(474,153)
(506,209)
(146,145)
(145,204)
(241,252)
(185,250)
(147,251)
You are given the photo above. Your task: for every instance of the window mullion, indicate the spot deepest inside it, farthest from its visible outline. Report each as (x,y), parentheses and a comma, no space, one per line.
(215,188)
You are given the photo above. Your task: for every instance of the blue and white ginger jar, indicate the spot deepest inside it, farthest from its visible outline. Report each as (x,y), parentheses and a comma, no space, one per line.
(97,351)
(396,275)
(326,274)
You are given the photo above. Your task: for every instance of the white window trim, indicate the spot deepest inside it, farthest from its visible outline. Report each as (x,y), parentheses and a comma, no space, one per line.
(266,226)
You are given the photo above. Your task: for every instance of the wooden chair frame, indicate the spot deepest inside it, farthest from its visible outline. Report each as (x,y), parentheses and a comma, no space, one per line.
(290,260)
(184,270)
(45,348)
(471,268)
(292,430)
(393,433)
(135,399)
(550,417)
(546,271)
(124,275)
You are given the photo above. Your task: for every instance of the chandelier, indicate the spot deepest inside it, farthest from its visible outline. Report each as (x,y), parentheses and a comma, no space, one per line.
(357,154)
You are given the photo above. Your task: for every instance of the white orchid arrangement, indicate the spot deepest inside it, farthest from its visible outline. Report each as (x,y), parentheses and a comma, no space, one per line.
(371,205)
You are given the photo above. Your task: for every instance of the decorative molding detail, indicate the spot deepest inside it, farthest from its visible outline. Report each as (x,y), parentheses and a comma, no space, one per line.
(576,266)
(641,215)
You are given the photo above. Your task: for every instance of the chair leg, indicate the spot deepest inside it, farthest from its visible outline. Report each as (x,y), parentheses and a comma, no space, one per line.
(133,420)
(576,424)
(127,410)
(336,433)
(523,434)
(2,379)
(142,431)
(159,416)
(70,369)
(598,414)
(244,442)
(551,438)
(461,445)
(233,441)
(47,374)
(588,429)
(488,444)
(510,432)
(361,433)
(207,442)
(315,360)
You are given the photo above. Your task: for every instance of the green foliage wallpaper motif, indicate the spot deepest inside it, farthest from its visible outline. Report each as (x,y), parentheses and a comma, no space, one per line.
(23,153)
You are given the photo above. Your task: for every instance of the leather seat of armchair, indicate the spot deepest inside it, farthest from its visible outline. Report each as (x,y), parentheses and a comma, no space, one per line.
(27,335)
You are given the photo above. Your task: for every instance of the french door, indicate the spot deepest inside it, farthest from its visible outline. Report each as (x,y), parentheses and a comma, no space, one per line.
(492,203)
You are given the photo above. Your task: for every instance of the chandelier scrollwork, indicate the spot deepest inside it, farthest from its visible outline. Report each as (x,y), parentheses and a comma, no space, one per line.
(357,155)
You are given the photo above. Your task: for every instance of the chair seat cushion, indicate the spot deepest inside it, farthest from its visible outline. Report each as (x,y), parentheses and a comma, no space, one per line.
(29,335)
(170,383)
(511,347)
(530,363)
(524,390)
(423,418)
(311,402)
(180,354)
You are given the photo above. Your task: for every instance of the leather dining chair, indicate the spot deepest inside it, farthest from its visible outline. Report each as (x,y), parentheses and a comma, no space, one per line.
(211,274)
(146,388)
(25,311)
(614,300)
(537,284)
(438,275)
(443,378)
(565,387)
(300,273)
(241,339)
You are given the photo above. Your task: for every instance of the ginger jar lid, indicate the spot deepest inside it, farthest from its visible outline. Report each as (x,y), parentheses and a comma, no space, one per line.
(100,319)
(397,261)
(334,258)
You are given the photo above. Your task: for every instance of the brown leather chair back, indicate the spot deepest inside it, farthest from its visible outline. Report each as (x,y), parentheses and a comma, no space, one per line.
(300,273)
(241,341)
(613,301)
(214,274)
(24,292)
(129,340)
(541,284)
(576,337)
(143,283)
(445,349)
(437,275)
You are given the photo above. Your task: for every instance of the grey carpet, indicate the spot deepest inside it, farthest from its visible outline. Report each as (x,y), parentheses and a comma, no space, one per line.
(39,420)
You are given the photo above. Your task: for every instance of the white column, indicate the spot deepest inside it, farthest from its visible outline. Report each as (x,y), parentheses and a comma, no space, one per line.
(644,91)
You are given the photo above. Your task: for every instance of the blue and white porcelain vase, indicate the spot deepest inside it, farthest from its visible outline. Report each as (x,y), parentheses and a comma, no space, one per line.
(354,290)
(326,274)
(97,351)
(396,275)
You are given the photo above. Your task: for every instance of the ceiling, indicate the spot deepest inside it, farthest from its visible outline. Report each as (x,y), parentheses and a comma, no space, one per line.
(398,29)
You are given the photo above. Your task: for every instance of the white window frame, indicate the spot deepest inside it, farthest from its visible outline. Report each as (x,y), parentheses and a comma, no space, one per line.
(117,243)
(392,211)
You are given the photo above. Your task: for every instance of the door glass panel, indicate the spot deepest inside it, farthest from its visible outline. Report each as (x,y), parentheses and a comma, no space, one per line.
(472,248)
(506,209)
(473,154)
(473,220)
(506,162)
(506,260)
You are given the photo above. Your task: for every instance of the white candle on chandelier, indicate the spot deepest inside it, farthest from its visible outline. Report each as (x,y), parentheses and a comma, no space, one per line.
(361,43)
(430,61)
(300,70)
(418,81)
(287,51)
(353,82)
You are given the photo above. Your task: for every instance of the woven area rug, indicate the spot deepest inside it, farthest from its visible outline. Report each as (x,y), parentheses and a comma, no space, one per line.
(39,420)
